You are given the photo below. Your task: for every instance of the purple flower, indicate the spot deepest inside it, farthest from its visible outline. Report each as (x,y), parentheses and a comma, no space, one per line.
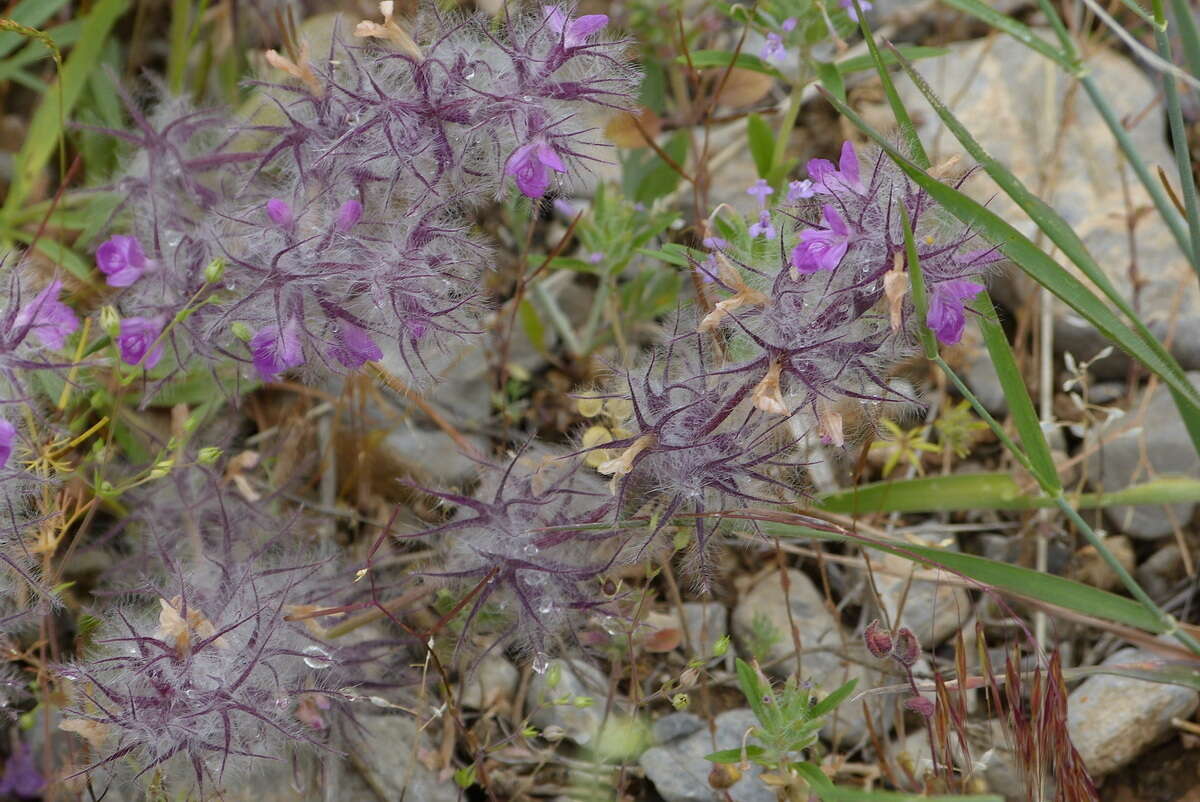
(715,243)
(348,215)
(789,25)
(8,433)
(21,777)
(275,351)
(48,318)
(531,164)
(799,190)
(356,347)
(122,259)
(280,212)
(761,190)
(773,49)
(947,317)
(849,6)
(824,174)
(136,341)
(573,32)
(822,249)
(763,228)
(564,207)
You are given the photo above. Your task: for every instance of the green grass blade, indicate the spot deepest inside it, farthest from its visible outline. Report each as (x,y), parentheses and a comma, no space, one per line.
(1036,263)
(994,491)
(1025,418)
(908,131)
(31,14)
(1017,30)
(47,123)
(1188,34)
(1012,580)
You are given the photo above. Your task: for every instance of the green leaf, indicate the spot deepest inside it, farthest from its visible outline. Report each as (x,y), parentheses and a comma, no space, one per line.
(1182,673)
(662,179)
(46,126)
(1028,425)
(728,756)
(994,491)
(831,702)
(722,58)
(762,143)
(57,253)
(1036,263)
(866,62)
(1009,579)
(1017,30)
(831,79)
(754,689)
(532,324)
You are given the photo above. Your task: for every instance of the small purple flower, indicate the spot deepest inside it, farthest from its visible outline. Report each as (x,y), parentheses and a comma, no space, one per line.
(564,207)
(947,317)
(773,49)
(531,164)
(356,347)
(280,212)
(348,215)
(764,227)
(122,259)
(799,190)
(21,776)
(595,258)
(48,318)
(708,270)
(275,351)
(136,341)
(8,433)
(573,32)
(715,243)
(822,249)
(789,25)
(849,6)
(824,174)
(761,190)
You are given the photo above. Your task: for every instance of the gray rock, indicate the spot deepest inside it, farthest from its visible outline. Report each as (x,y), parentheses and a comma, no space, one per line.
(386,757)
(1011,103)
(764,611)
(432,454)
(680,772)
(707,623)
(1135,448)
(1112,719)
(495,679)
(674,726)
(932,610)
(555,707)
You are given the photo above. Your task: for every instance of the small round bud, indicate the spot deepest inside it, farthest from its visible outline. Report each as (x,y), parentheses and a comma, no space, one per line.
(879,640)
(208,455)
(214,270)
(554,675)
(241,331)
(110,321)
(907,648)
(161,468)
(920,705)
(723,776)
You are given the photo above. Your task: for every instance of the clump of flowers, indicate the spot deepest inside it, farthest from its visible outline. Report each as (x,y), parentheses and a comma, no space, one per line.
(205,677)
(534,541)
(333,224)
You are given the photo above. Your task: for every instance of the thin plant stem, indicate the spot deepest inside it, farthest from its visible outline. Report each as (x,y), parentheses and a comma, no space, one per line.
(1179,138)
(1188,34)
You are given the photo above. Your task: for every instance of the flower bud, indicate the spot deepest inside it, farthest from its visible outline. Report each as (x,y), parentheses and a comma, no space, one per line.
(723,776)
(879,640)
(110,321)
(214,270)
(241,331)
(161,468)
(208,455)
(920,705)
(907,648)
